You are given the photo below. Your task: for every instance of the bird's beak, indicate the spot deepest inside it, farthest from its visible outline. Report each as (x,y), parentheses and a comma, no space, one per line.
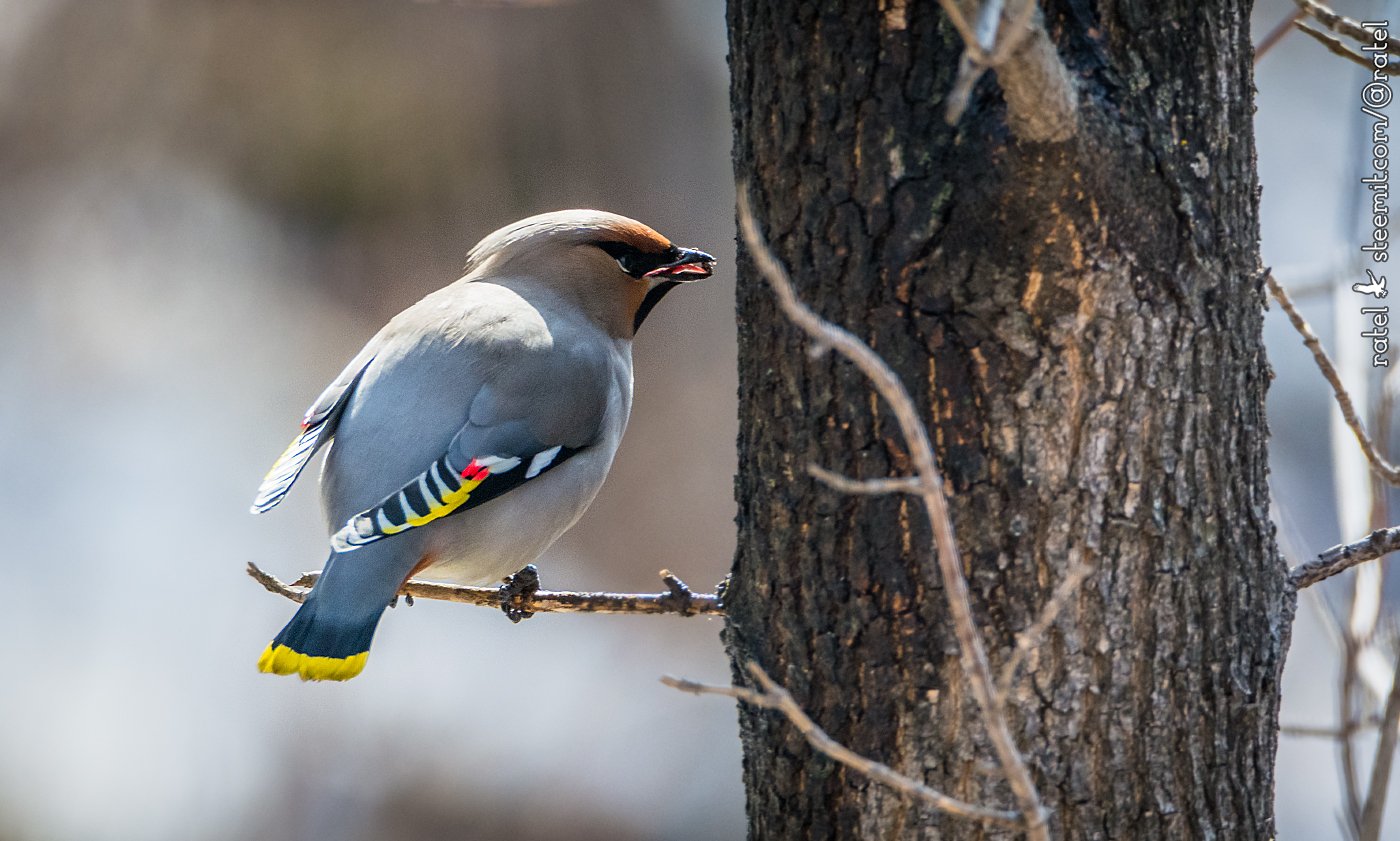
(690,265)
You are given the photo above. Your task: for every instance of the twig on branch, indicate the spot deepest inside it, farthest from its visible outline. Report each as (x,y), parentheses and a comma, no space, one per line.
(1338,47)
(955,17)
(1343,25)
(678,600)
(1309,731)
(1346,745)
(1031,638)
(1379,465)
(272,584)
(973,651)
(871,487)
(1021,27)
(1374,809)
(1344,556)
(1041,100)
(774,697)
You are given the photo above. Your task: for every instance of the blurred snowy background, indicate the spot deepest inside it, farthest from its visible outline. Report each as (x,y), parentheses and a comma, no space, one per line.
(206,207)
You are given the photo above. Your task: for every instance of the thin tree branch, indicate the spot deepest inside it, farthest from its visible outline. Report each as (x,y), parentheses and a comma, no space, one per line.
(1031,638)
(1041,100)
(871,487)
(969,71)
(1277,34)
(955,17)
(1374,810)
(973,651)
(1020,28)
(678,599)
(1309,731)
(294,591)
(1338,47)
(1304,730)
(774,697)
(1345,744)
(1344,556)
(1383,468)
(1344,25)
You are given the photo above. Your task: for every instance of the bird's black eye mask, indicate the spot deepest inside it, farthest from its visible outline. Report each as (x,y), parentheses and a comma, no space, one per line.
(672,266)
(636,262)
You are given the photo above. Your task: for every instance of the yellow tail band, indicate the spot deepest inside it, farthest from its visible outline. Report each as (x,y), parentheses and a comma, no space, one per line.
(281,660)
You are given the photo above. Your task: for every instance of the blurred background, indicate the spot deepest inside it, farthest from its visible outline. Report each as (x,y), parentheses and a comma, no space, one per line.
(207,206)
(1314,146)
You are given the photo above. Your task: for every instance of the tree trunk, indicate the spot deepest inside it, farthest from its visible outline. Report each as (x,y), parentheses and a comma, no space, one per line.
(1082,323)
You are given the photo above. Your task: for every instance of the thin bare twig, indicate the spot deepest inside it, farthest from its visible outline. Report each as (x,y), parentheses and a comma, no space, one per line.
(1041,100)
(1383,468)
(1277,34)
(1344,556)
(870,487)
(1338,47)
(1030,639)
(969,71)
(973,651)
(1021,27)
(1344,25)
(955,17)
(1309,731)
(1374,810)
(971,65)
(678,599)
(774,697)
(1345,744)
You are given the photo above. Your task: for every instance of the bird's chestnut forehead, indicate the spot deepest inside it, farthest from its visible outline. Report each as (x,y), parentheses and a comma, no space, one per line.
(638,236)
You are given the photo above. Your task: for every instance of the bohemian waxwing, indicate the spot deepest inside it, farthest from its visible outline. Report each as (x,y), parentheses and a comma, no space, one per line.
(475,428)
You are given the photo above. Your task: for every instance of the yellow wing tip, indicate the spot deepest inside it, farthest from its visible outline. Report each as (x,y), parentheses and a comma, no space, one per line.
(281,660)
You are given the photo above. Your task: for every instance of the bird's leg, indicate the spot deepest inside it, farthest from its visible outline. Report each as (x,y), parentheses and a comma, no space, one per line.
(518,591)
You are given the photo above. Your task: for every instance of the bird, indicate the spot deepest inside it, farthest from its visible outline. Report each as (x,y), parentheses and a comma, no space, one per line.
(476,427)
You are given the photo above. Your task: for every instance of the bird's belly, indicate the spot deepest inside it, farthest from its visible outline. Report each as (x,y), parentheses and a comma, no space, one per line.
(485,544)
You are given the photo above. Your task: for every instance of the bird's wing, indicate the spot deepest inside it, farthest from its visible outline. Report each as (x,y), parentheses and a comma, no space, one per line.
(317,427)
(530,415)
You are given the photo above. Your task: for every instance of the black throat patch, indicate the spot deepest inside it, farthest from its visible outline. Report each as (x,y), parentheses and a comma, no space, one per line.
(653,297)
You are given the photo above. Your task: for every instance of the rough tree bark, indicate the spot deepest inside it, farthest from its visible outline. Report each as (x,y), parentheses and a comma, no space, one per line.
(1082,321)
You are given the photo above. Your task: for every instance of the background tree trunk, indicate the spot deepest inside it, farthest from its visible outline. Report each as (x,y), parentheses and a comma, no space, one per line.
(1082,322)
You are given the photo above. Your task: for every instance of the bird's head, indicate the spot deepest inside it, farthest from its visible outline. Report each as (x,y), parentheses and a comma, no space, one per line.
(613,268)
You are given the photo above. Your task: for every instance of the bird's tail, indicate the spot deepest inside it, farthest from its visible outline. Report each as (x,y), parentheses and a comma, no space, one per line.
(320,645)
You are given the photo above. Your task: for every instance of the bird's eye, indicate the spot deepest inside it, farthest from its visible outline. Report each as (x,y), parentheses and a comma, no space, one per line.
(628,262)
(629,259)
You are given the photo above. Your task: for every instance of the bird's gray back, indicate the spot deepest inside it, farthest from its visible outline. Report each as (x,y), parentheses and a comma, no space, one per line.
(470,354)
